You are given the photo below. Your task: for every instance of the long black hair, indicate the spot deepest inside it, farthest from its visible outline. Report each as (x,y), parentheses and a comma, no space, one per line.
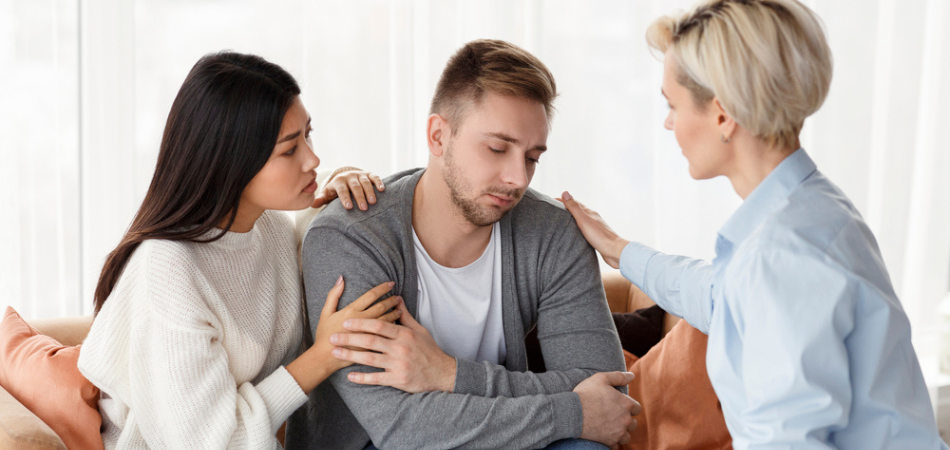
(220,132)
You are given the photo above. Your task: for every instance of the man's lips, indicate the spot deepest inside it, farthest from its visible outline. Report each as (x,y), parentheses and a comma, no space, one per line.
(501,200)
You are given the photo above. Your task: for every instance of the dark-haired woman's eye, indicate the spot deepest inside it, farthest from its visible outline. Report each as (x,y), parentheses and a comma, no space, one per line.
(291,151)
(495,150)
(534,160)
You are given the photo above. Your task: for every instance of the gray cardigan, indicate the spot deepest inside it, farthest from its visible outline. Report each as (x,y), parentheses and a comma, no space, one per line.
(550,279)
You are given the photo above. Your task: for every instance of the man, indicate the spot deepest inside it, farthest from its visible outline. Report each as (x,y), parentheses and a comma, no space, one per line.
(480,259)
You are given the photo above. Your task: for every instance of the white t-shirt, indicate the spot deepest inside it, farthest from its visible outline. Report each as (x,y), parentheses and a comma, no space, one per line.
(461,307)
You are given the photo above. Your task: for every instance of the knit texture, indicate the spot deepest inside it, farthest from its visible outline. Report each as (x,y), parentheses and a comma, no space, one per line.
(550,279)
(190,346)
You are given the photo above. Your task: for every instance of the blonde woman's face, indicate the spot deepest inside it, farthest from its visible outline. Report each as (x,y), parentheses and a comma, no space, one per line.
(696,129)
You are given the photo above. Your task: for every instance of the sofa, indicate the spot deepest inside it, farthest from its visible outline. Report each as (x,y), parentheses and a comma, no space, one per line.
(21,429)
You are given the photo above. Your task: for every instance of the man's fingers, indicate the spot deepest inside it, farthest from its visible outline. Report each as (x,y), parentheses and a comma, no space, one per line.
(371,296)
(374,378)
(407,320)
(625,439)
(347,342)
(380,307)
(333,297)
(391,316)
(636,409)
(372,326)
(618,378)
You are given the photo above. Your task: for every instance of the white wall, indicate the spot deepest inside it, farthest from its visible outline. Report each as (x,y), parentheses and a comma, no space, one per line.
(90,84)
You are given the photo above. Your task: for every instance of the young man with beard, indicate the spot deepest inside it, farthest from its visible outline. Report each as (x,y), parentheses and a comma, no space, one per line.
(480,259)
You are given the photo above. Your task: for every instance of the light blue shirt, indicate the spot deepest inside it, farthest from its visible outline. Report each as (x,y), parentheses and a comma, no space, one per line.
(809,346)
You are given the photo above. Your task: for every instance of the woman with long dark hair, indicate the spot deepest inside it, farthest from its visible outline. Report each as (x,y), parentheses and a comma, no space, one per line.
(199,308)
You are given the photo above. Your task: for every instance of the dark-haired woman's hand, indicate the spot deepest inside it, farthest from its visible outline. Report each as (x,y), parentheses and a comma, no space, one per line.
(355,182)
(318,362)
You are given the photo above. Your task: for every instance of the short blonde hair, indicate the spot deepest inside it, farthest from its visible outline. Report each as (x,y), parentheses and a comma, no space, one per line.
(487,65)
(766,61)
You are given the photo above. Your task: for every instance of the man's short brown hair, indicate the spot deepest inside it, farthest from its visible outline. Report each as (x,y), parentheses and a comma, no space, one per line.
(487,65)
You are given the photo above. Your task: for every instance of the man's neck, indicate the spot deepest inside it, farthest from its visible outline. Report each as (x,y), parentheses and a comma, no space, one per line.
(449,239)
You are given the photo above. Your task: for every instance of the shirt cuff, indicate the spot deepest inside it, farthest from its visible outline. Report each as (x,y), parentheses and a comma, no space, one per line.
(568,416)
(633,263)
(470,378)
(282,396)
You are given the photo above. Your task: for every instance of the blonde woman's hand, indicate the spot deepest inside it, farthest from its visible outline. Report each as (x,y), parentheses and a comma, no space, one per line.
(358,183)
(596,231)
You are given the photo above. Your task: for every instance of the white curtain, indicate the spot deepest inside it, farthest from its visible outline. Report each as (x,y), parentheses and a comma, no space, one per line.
(91,83)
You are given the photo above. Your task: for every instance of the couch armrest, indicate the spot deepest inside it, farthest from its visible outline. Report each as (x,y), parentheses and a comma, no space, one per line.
(20,429)
(69,331)
(623,296)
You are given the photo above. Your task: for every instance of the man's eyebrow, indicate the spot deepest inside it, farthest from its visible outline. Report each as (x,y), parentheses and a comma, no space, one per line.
(293,136)
(506,138)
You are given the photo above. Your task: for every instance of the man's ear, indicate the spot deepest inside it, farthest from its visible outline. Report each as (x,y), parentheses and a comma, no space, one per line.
(437,133)
(727,125)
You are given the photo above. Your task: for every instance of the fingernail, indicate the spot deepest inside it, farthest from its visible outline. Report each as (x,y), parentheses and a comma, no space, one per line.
(381,187)
(351,376)
(339,281)
(372,199)
(363,206)
(392,283)
(347,323)
(347,205)
(566,195)
(334,339)
(337,352)
(398,312)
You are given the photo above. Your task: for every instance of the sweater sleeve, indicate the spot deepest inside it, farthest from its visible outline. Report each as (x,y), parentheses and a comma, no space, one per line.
(575,329)
(179,383)
(396,419)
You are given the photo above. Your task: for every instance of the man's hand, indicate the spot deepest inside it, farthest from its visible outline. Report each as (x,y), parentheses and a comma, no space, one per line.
(608,413)
(412,360)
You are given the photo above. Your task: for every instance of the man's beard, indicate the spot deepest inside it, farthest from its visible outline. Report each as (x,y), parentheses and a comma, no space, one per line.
(470,209)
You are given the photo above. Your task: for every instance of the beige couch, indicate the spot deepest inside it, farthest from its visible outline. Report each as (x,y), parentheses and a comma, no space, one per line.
(20,429)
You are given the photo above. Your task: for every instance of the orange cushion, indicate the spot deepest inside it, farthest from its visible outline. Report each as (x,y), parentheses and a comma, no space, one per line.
(43,376)
(680,408)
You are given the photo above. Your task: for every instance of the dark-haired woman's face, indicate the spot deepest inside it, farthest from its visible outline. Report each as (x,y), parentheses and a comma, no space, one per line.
(287,180)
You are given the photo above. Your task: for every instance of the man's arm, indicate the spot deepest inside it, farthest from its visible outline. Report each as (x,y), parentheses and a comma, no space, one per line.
(575,329)
(398,419)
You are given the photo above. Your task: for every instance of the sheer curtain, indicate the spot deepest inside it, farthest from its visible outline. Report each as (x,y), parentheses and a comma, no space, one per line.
(92,82)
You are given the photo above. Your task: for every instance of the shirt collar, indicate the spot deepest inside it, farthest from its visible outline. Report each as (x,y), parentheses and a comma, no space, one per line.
(768,196)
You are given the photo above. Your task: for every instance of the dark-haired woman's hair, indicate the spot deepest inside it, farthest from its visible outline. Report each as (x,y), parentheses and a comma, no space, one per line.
(220,132)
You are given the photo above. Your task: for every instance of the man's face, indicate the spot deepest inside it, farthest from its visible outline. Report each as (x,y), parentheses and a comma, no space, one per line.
(491,159)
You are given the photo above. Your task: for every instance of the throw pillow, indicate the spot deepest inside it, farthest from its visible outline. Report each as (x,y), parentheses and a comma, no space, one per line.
(42,375)
(680,407)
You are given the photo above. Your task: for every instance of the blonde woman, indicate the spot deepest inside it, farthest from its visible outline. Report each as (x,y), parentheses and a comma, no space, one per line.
(808,344)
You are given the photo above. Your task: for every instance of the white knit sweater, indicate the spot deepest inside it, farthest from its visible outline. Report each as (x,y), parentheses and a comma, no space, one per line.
(190,346)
